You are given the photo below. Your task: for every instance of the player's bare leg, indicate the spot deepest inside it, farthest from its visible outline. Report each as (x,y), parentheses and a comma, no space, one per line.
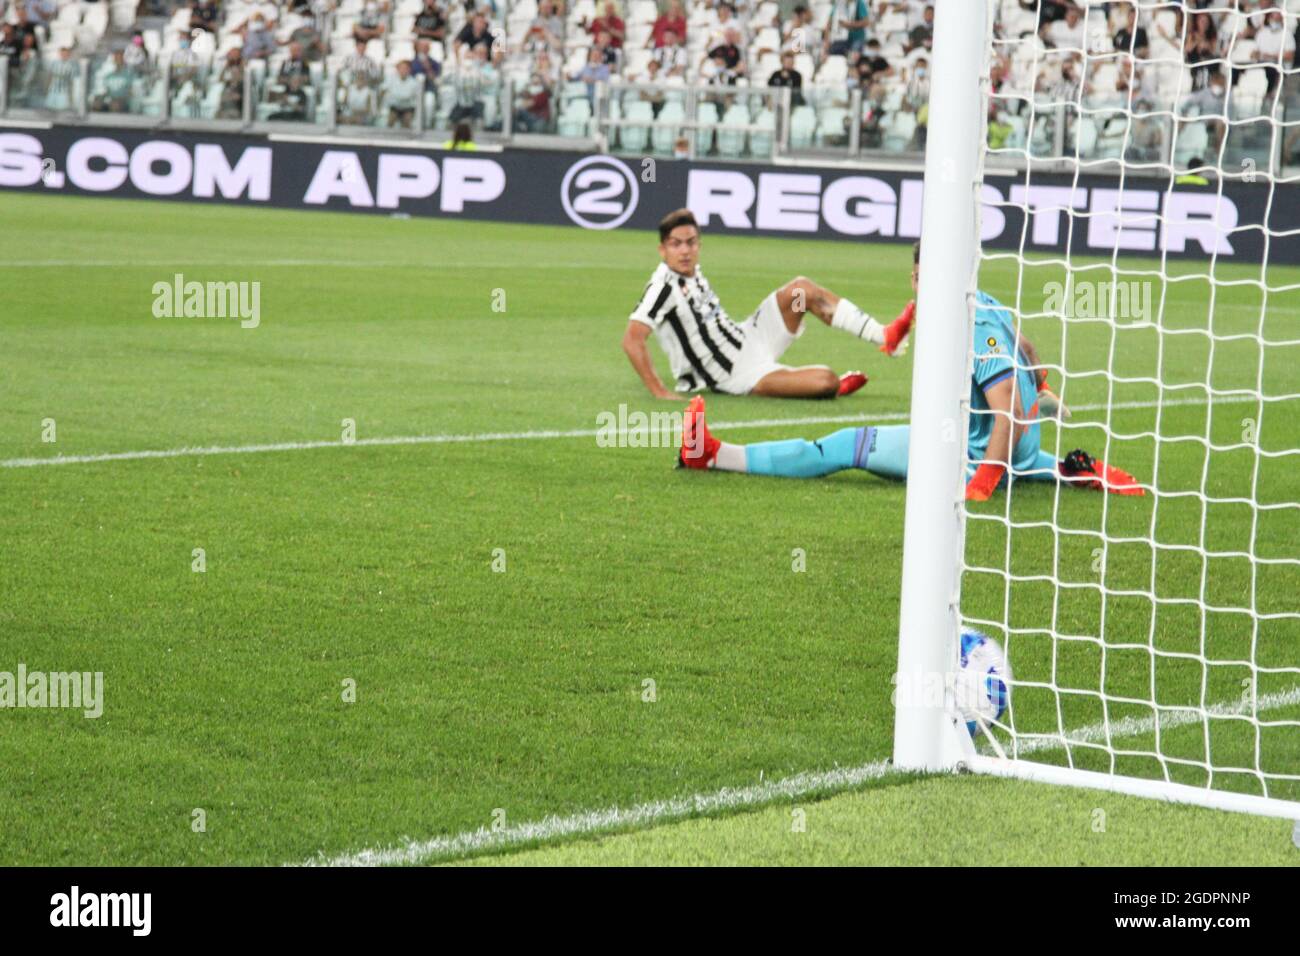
(809,381)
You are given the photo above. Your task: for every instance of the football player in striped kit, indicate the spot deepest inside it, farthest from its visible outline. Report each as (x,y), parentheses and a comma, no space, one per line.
(707,350)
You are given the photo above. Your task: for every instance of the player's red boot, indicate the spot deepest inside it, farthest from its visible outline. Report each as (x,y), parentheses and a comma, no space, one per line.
(1078,467)
(850,382)
(896,332)
(699,448)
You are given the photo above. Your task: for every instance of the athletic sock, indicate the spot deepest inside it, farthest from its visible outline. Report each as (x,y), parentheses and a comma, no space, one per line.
(730,457)
(856,322)
(797,458)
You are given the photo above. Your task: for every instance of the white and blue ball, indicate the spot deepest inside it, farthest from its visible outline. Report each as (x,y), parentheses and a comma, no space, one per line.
(982,684)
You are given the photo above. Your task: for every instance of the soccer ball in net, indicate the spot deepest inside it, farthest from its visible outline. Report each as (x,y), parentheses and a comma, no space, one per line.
(981,683)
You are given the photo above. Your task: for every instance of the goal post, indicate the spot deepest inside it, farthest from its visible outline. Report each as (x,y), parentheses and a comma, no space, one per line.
(924,738)
(1154,640)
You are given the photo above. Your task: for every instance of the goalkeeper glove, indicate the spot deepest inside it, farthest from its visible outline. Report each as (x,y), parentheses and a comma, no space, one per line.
(984,482)
(896,332)
(1049,403)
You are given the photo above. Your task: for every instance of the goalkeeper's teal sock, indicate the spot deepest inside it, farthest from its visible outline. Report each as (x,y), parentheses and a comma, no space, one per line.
(885,453)
(881,451)
(797,458)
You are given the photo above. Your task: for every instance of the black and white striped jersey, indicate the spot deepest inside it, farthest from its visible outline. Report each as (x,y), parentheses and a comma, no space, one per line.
(701,341)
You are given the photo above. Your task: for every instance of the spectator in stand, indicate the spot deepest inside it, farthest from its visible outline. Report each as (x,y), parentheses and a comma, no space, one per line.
(547,70)
(203,16)
(37,13)
(358,64)
(1068,33)
(608,52)
(116,97)
(185,63)
(724,20)
(426,67)
(878,67)
(293,102)
(1201,47)
(430,24)
(674,19)
(534,112)
(848,29)
(401,94)
(547,26)
(801,35)
(473,35)
(610,23)
(715,72)
(295,64)
(358,106)
(59,80)
(1274,46)
(921,36)
(321,11)
(308,39)
(473,77)
(788,76)
(258,41)
(231,79)
(1049,10)
(137,57)
(594,71)
(1064,89)
(654,94)
(1131,37)
(370,25)
(918,84)
(672,55)
(10,43)
(730,53)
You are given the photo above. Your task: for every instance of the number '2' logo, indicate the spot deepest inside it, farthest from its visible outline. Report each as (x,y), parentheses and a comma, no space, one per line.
(599,192)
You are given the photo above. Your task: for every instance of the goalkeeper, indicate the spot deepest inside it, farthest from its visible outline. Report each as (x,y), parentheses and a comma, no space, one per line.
(1001,432)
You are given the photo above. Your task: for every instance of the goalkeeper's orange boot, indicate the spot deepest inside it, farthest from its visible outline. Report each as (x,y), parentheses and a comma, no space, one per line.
(850,382)
(699,448)
(1078,467)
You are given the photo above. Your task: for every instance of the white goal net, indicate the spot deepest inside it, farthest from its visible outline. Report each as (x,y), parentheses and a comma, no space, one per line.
(1137,173)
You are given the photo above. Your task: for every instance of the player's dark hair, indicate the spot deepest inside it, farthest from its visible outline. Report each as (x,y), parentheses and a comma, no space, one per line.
(678,217)
(916,253)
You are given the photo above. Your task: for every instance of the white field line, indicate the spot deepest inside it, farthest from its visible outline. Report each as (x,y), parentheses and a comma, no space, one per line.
(658,812)
(538,435)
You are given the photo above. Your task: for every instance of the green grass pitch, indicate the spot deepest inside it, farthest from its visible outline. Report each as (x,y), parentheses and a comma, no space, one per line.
(484,696)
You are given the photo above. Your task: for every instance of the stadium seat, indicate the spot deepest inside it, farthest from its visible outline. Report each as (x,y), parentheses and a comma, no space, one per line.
(574,117)
(706,114)
(834,71)
(1085,137)
(1247,97)
(634,138)
(731,141)
(803,123)
(760,144)
(663,137)
(832,128)
(1193,141)
(900,128)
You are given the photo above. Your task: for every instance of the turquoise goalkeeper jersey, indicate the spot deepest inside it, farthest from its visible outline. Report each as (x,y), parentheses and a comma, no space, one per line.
(996,359)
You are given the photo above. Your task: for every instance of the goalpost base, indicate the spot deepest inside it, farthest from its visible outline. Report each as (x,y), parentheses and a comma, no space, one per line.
(1136,786)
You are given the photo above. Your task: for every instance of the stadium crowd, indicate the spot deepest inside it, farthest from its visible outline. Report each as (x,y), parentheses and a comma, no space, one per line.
(1065,73)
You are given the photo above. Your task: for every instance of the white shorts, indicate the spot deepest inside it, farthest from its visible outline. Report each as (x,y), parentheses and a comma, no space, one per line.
(766,339)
